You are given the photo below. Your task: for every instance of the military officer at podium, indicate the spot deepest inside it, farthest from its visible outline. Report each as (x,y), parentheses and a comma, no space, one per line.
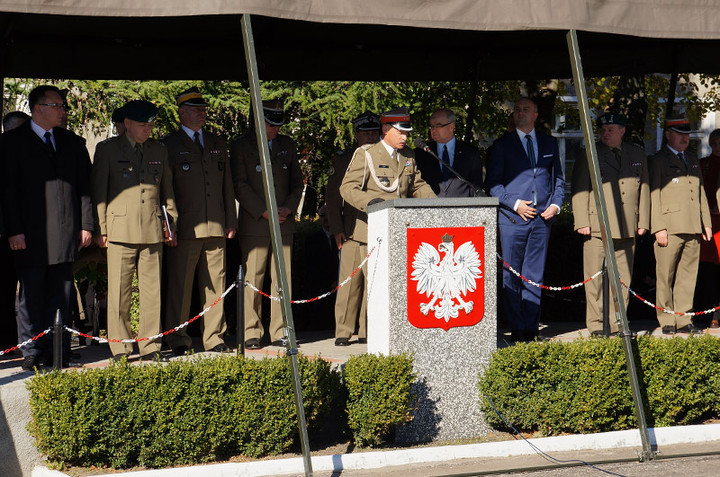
(624,172)
(205,201)
(380,171)
(350,305)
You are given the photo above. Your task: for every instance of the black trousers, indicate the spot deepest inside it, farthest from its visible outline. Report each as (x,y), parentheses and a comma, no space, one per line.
(8,291)
(43,291)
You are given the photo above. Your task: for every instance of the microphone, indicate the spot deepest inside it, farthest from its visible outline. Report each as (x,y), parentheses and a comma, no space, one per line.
(421,144)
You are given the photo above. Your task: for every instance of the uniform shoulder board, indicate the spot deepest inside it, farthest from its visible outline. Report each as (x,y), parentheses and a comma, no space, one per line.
(639,146)
(367,146)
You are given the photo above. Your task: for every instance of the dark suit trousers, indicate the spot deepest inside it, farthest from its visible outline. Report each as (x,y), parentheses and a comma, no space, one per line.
(43,290)
(524,247)
(8,291)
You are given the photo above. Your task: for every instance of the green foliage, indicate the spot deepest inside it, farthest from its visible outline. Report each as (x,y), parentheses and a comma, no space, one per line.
(186,412)
(583,386)
(135,306)
(379,396)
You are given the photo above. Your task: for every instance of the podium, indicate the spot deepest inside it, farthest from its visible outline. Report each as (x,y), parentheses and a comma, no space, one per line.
(432,292)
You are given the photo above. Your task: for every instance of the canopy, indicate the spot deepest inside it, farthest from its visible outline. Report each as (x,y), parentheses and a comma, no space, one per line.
(352,40)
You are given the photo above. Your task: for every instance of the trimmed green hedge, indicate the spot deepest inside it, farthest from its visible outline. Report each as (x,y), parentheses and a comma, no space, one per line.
(583,386)
(208,409)
(186,412)
(379,396)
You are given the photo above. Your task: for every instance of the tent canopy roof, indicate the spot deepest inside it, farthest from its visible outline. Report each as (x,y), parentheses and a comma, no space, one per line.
(349,40)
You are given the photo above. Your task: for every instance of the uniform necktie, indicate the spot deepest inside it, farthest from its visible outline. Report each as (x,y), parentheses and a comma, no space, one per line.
(139,151)
(531,151)
(48,141)
(395,155)
(446,162)
(196,140)
(616,152)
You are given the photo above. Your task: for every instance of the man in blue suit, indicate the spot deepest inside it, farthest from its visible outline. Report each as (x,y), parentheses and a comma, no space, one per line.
(525,174)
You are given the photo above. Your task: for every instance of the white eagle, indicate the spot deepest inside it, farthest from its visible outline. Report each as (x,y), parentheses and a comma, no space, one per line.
(447,280)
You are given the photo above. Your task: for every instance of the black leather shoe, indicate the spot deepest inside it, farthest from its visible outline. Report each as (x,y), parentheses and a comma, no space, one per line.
(597,334)
(29,363)
(362,340)
(221,348)
(282,342)
(181,351)
(71,363)
(342,342)
(253,343)
(690,329)
(156,356)
(120,356)
(668,330)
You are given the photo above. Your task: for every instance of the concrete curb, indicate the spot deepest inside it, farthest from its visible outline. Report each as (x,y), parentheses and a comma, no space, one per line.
(659,437)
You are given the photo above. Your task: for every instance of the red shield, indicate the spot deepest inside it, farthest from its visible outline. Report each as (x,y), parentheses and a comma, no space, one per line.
(445,276)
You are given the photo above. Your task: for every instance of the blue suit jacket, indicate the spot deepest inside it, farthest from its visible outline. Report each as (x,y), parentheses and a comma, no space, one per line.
(510,177)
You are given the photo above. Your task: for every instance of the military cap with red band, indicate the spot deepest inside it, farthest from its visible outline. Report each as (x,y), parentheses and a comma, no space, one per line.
(399,118)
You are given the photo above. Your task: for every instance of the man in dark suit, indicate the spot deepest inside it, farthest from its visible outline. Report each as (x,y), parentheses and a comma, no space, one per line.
(526,175)
(47,214)
(461,156)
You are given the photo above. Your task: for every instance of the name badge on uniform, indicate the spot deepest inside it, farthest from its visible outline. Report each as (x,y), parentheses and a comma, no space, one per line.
(383,166)
(186,166)
(258,168)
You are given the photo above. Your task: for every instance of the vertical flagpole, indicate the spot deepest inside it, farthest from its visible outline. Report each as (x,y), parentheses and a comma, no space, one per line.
(275,235)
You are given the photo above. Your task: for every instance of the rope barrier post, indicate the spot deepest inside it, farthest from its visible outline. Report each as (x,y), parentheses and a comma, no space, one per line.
(57,341)
(613,275)
(275,235)
(240,312)
(606,301)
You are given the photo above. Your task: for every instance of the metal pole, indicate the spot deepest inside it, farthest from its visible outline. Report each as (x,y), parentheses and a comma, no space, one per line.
(606,301)
(592,158)
(57,341)
(240,312)
(275,236)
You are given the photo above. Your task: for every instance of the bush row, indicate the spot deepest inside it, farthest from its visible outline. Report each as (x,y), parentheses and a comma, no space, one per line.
(583,386)
(207,409)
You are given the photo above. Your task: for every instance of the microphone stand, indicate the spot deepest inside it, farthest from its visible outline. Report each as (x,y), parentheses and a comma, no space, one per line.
(477,191)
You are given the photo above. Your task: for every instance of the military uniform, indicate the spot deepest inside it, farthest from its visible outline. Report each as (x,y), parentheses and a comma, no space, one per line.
(351,302)
(205,201)
(128,193)
(627,196)
(374,174)
(679,206)
(254,231)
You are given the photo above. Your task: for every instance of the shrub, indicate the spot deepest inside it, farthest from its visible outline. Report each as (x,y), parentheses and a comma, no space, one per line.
(186,412)
(379,396)
(583,386)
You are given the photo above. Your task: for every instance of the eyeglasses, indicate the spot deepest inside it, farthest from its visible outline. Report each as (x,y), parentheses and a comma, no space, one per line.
(438,126)
(54,105)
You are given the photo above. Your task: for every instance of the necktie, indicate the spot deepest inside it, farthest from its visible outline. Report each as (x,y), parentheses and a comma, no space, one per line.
(196,140)
(138,151)
(48,141)
(395,155)
(616,152)
(531,151)
(682,157)
(270,147)
(446,161)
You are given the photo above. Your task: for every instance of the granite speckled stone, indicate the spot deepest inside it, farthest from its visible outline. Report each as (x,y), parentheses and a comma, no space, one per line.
(447,363)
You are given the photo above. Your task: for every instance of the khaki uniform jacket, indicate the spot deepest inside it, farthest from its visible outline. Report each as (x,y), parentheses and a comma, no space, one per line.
(249,191)
(341,215)
(626,188)
(202,183)
(679,204)
(128,194)
(359,186)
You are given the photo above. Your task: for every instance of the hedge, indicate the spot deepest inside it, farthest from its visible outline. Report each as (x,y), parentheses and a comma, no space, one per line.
(185,412)
(583,386)
(208,409)
(379,396)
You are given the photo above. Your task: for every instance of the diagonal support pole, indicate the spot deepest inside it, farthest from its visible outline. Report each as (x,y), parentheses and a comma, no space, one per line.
(275,235)
(613,276)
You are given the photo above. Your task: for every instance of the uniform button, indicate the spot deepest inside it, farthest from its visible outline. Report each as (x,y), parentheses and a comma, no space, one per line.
(142,201)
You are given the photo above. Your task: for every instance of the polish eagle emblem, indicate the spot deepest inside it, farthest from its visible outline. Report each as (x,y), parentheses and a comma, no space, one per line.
(448,279)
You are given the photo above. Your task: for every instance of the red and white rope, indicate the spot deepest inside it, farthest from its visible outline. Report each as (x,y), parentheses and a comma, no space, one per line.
(665,310)
(159,335)
(324,295)
(26,342)
(546,287)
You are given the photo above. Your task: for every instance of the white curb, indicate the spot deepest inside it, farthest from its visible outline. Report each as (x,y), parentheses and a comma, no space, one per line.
(374,460)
